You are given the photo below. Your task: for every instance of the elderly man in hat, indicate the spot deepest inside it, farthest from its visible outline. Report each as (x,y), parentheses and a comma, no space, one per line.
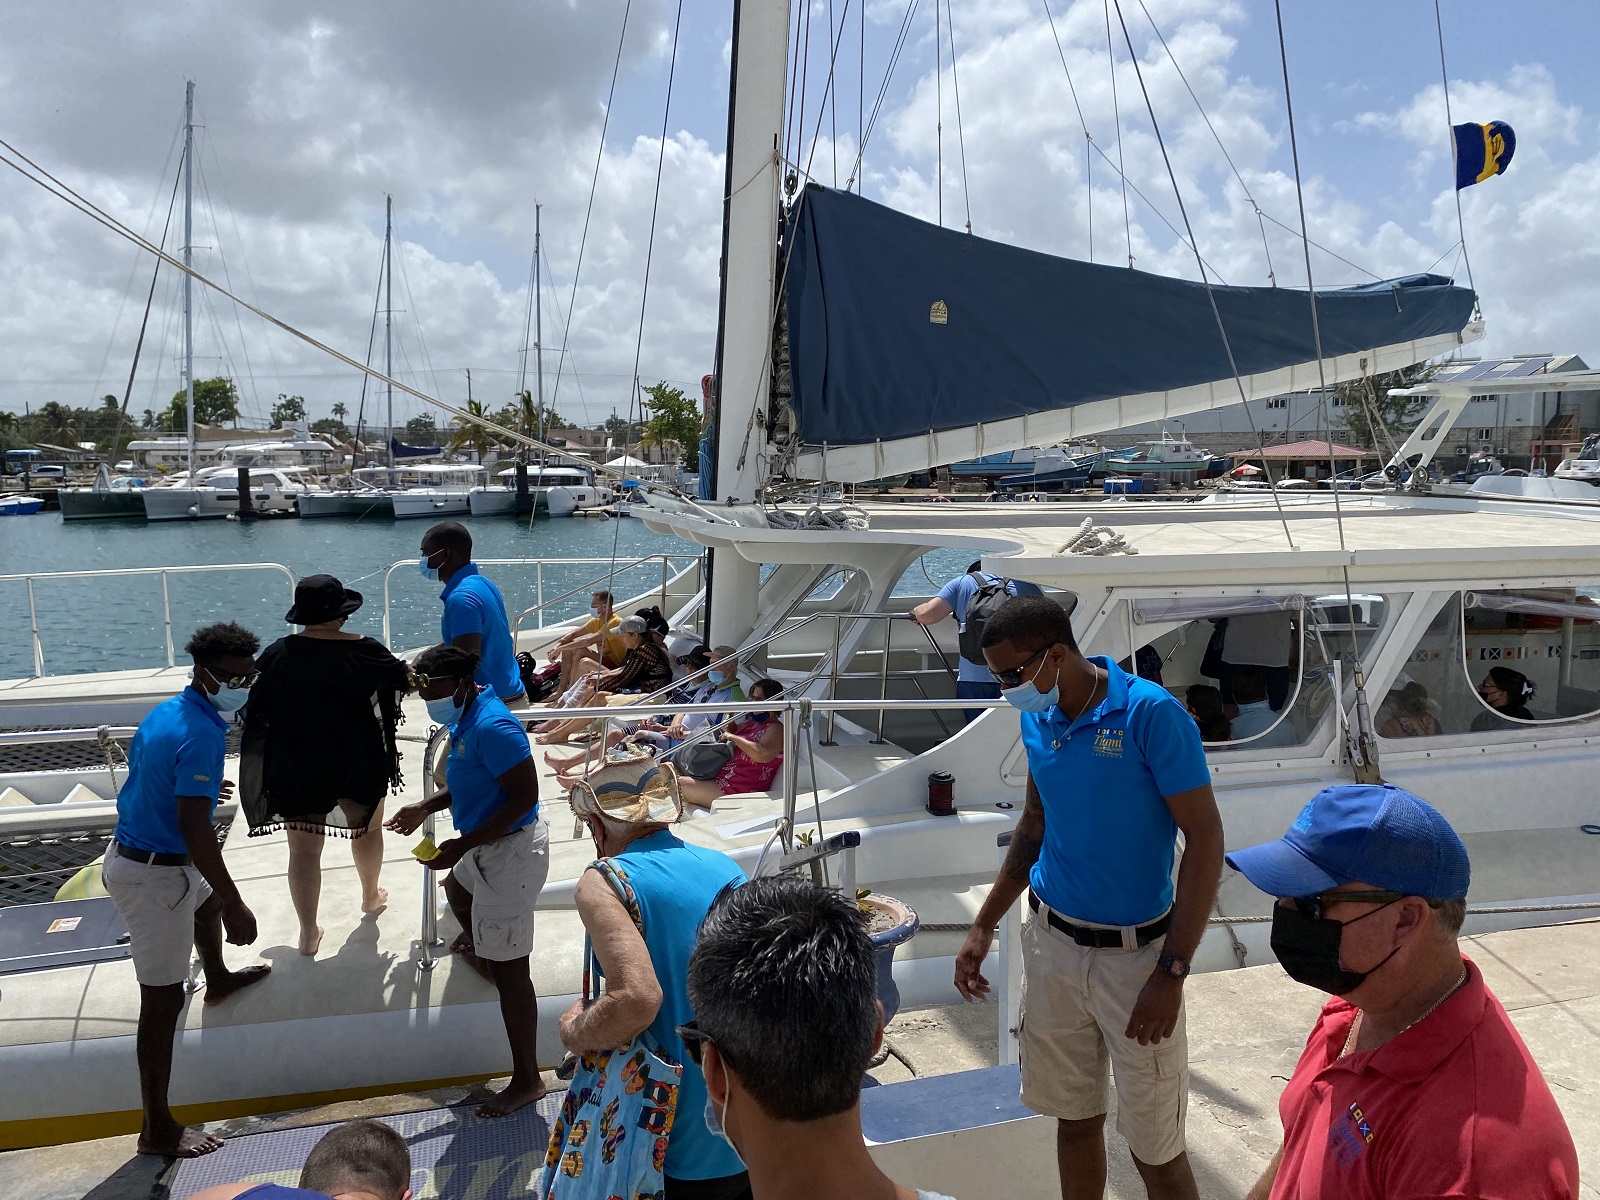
(641,904)
(1414,1082)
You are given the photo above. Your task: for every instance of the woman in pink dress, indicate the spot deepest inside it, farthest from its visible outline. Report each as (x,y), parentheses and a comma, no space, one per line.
(757,741)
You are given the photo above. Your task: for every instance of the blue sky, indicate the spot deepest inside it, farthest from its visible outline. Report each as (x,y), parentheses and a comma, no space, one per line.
(468,116)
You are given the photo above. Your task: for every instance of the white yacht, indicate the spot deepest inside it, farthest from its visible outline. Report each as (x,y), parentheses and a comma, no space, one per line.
(560,489)
(214,493)
(434,489)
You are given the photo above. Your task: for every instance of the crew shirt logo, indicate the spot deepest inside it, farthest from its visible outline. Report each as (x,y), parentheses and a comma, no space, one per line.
(203,778)
(1108,742)
(1350,1135)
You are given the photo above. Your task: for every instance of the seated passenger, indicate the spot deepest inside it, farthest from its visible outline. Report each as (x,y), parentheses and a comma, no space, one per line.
(1507,692)
(1412,714)
(596,638)
(1204,703)
(644,669)
(757,743)
(1255,713)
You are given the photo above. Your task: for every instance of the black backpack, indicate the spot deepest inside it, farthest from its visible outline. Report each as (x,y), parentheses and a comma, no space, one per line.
(983,605)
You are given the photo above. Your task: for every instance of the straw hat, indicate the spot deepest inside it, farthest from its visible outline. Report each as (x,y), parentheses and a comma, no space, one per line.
(635,790)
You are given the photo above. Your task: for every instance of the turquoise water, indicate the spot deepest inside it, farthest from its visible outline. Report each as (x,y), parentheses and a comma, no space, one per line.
(117,624)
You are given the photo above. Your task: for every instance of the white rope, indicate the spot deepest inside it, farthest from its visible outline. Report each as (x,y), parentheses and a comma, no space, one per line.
(1096,541)
(846,516)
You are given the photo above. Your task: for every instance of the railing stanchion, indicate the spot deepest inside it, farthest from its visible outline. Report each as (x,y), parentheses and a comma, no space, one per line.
(883,679)
(33,622)
(429,935)
(833,683)
(791,771)
(166,615)
(538,576)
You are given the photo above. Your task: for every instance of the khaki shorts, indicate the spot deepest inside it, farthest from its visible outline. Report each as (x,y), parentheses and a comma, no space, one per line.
(157,904)
(1076,1001)
(505,879)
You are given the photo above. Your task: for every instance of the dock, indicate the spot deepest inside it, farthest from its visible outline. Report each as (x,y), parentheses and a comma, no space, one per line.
(1246,1030)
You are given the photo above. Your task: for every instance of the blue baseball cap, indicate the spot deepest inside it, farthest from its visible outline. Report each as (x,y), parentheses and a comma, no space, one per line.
(1374,833)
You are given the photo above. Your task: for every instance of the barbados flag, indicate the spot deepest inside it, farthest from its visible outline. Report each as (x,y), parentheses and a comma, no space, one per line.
(1482,151)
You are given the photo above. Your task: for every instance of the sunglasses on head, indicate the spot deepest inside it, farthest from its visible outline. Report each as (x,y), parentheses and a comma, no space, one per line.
(1014,676)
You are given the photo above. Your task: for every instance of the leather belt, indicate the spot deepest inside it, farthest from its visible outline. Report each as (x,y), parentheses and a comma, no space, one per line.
(1101,939)
(151,859)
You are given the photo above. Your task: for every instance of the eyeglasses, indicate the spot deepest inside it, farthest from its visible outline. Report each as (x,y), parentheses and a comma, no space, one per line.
(692,1035)
(1315,906)
(1014,676)
(242,682)
(415,680)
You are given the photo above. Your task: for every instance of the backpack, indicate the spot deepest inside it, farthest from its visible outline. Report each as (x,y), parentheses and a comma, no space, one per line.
(983,605)
(538,681)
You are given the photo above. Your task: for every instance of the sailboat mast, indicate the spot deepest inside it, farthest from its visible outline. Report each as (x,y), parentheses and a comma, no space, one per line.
(538,319)
(388,315)
(188,263)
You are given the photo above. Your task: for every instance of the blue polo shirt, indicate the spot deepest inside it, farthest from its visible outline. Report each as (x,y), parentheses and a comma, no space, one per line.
(1108,833)
(486,743)
(472,604)
(958,593)
(177,752)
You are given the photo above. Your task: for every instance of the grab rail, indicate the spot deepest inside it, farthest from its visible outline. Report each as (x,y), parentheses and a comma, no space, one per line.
(541,604)
(538,564)
(166,600)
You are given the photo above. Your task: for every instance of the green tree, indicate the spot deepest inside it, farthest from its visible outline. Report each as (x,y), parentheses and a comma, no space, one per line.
(472,432)
(1360,399)
(149,421)
(332,426)
(340,410)
(288,410)
(215,402)
(674,419)
(421,429)
(57,424)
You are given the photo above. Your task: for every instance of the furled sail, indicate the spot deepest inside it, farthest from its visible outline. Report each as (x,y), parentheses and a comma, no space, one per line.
(911,346)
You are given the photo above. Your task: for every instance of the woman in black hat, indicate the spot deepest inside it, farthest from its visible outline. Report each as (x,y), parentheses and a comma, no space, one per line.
(319,747)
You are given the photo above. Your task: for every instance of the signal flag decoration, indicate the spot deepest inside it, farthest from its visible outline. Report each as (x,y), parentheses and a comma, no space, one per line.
(1482,151)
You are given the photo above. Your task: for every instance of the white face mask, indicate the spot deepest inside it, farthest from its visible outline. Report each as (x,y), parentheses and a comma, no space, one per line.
(1030,699)
(715,1121)
(230,699)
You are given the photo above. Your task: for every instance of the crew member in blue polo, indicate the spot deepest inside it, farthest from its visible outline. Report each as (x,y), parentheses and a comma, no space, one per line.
(500,858)
(974,680)
(1115,770)
(474,610)
(165,873)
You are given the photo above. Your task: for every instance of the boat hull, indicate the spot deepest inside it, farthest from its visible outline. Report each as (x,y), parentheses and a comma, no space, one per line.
(346,504)
(83,504)
(492,502)
(431,502)
(203,504)
(20,506)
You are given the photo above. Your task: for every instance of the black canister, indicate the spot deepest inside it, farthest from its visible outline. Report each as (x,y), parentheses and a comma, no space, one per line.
(942,794)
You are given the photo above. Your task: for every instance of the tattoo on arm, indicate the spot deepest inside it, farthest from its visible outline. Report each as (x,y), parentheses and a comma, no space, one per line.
(1027,839)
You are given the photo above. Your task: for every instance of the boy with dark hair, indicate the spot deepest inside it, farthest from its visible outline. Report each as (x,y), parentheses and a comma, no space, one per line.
(787,1017)
(359,1160)
(165,873)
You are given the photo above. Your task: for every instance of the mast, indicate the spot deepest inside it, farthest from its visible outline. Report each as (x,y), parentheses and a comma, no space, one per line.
(388,319)
(538,321)
(188,265)
(750,215)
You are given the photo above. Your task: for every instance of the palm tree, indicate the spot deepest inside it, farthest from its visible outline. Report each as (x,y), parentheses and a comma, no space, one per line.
(472,432)
(340,410)
(58,423)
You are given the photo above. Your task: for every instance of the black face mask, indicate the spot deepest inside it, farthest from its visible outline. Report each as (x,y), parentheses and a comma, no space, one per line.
(1308,949)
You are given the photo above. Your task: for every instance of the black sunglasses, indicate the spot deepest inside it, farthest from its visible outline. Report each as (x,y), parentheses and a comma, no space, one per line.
(1316,906)
(692,1036)
(1013,677)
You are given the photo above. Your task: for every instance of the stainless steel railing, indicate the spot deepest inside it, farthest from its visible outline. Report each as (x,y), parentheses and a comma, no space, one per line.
(166,600)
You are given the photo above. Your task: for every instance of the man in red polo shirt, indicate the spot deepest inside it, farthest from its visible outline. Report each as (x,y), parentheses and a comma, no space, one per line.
(1414,1084)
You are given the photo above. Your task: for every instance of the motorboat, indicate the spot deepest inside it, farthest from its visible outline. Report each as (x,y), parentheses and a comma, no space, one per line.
(109,498)
(364,492)
(1584,465)
(434,489)
(1166,456)
(213,493)
(560,489)
(20,506)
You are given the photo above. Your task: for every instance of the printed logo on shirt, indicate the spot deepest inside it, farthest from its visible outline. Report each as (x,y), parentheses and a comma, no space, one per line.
(1350,1135)
(1108,742)
(202,779)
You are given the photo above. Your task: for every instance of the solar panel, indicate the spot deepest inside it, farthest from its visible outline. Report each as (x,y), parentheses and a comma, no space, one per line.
(1475,371)
(1531,366)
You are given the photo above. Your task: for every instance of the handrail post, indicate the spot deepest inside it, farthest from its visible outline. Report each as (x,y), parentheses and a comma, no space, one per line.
(387,639)
(538,575)
(166,613)
(883,679)
(791,768)
(429,935)
(833,682)
(33,621)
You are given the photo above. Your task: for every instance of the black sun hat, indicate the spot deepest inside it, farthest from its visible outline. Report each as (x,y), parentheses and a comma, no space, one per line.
(319,598)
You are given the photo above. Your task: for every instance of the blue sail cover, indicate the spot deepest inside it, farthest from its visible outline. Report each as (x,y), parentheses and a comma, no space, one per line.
(898,327)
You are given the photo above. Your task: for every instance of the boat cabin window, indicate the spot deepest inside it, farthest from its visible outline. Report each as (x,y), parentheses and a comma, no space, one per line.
(1256,672)
(1493,661)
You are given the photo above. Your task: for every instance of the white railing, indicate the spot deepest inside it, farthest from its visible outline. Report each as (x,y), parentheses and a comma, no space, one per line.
(125,572)
(613,569)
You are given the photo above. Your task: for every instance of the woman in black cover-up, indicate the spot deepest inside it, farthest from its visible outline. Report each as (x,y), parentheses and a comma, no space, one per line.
(319,750)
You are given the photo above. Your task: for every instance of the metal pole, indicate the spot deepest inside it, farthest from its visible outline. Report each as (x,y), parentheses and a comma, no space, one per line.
(791,767)
(166,613)
(883,680)
(188,264)
(539,576)
(388,318)
(429,935)
(33,620)
(538,320)
(833,680)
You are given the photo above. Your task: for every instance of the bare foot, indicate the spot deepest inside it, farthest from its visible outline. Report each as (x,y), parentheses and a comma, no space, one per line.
(551,739)
(516,1095)
(463,946)
(309,945)
(557,764)
(217,992)
(183,1142)
(376,905)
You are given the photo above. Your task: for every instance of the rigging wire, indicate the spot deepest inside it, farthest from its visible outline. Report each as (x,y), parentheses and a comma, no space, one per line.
(594,182)
(955,84)
(138,347)
(828,90)
(372,340)
(1228,158)
(861,84)
(1461,226)
(649,256)
(1088,139)
(938,111)
(805,78)
(832,95)
(1216,313)
(227,278)
(883,88)
(1116,117)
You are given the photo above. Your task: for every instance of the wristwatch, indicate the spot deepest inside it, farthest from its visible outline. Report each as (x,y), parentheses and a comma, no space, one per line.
(1177,967)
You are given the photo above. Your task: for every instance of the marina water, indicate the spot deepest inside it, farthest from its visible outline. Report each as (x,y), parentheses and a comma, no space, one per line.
(114,624)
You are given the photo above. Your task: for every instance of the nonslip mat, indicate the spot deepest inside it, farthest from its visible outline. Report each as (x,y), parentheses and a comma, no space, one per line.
(454,1153)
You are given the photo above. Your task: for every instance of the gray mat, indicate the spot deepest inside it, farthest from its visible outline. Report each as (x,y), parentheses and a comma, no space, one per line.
(454,1154)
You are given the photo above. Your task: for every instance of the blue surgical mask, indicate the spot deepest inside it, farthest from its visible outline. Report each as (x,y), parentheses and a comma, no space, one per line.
(1030,699)
(714,1123)
(425,570)
(445,710)
(230,699)
(717,676)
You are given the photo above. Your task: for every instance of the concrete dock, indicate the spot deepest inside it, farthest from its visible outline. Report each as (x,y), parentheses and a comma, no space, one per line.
(1246,1030)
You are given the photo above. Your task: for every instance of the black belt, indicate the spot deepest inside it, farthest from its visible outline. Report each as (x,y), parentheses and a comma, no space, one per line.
(151,859)
(1102,939)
